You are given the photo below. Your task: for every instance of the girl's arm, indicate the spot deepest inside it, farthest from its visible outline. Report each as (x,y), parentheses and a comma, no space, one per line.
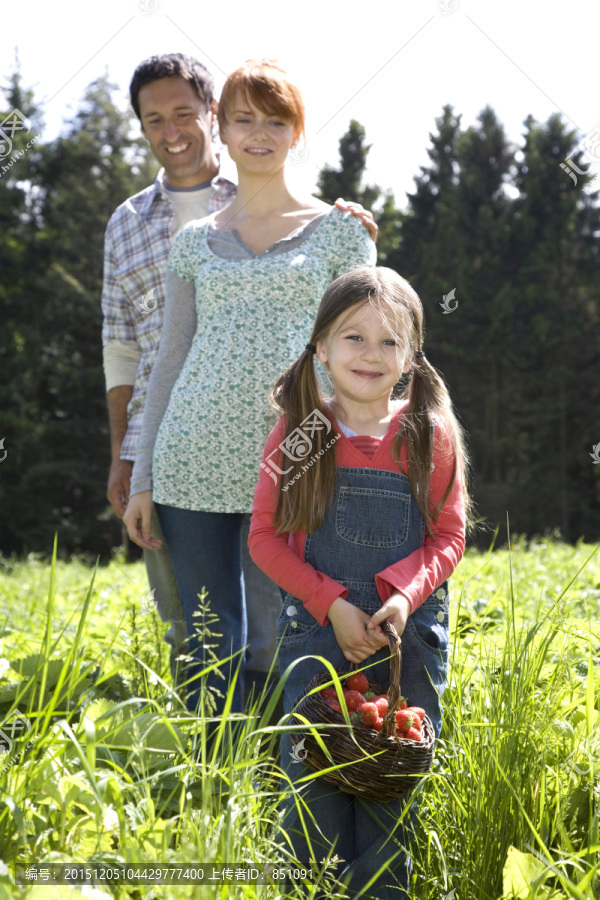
(273,554)
(322,596)
(416,576)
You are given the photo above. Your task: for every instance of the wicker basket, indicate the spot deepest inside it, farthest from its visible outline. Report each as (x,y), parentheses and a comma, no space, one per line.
(399,763)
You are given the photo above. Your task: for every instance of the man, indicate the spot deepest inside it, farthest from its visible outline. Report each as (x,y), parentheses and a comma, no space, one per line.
(173,98)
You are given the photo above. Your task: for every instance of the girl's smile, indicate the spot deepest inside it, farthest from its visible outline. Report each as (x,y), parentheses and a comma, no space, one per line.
(364,374)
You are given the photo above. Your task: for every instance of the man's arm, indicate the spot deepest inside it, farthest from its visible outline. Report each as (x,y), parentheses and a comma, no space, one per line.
(119,476)
(121,354)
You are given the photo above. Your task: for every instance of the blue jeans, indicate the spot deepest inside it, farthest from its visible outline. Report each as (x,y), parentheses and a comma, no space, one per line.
(163,584)
(205,549)
(211,550)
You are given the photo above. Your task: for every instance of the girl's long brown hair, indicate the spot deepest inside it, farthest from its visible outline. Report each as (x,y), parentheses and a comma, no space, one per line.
(307,488)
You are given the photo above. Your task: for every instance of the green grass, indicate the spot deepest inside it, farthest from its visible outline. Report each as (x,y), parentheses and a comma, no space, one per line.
(114,769)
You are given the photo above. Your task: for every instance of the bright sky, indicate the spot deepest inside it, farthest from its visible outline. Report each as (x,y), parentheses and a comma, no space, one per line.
(391,64)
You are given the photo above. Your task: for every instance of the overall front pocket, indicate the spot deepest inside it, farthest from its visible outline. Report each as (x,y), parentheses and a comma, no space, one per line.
(372,517)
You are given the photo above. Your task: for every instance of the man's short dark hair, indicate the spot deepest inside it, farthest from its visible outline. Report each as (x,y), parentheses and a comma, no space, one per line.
(172,65)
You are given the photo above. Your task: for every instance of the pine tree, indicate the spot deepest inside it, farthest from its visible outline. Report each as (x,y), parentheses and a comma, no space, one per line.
(556,227)
(347,182)
(74,185)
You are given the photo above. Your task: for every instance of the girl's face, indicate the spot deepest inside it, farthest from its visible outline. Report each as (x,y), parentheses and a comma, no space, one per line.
(257,141)
(362,355)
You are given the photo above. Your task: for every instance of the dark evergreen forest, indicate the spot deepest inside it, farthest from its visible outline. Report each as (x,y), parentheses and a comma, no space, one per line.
(501,244)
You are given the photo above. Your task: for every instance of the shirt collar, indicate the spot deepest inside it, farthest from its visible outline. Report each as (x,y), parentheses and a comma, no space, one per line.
(158,194)
(218,182)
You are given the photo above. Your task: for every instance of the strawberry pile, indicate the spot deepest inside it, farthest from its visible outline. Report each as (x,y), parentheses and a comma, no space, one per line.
(367,708)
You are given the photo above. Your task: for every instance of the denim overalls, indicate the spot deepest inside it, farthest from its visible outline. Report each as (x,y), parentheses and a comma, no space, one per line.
(373,522)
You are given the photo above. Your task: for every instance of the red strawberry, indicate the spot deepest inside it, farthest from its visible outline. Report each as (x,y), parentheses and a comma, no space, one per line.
(368,714)
(334,704)
(328,694)
(357,682)
(381,703)
(413,734)
(405,719)
(353,699)
(403,704)
(418,711)
(378,725)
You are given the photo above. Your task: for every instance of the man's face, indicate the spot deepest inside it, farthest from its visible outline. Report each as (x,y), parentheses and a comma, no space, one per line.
(177,125)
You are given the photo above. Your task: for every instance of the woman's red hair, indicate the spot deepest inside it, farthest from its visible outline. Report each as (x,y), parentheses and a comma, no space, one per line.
(267,86)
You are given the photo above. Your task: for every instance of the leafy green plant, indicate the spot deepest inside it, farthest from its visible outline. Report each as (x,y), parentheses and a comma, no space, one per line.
(115,769)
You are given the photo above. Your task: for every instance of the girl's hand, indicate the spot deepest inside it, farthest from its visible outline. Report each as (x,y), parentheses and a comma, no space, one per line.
(396,610)
(137,519)
(350,627)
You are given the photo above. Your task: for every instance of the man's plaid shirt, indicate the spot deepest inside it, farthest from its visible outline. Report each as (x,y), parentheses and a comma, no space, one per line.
(137,243)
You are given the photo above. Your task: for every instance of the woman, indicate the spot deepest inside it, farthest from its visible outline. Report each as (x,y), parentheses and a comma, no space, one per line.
(242,290)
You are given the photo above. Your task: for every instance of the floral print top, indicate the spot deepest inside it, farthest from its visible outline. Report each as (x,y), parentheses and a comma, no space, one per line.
(254,317)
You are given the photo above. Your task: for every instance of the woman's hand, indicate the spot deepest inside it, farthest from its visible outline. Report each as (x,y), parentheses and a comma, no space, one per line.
(350,627)
(137,519)
(365,216)
(396,610)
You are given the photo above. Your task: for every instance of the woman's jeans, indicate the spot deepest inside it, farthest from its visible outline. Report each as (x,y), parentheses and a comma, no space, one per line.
(206,552)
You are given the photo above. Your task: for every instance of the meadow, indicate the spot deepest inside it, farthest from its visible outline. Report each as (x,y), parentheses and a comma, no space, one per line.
(106,768)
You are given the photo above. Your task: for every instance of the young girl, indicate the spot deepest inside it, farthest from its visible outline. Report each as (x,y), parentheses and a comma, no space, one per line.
(359,516)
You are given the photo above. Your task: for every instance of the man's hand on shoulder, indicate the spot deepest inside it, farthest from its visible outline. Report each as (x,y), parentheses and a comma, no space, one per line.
(365,216)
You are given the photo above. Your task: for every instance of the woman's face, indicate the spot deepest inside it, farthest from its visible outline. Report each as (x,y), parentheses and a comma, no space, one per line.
(257,141)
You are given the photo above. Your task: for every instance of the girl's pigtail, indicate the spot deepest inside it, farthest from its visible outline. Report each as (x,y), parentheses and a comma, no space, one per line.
(307,477)
(429,404)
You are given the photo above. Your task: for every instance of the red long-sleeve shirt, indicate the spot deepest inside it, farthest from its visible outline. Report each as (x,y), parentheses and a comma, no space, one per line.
(416,576)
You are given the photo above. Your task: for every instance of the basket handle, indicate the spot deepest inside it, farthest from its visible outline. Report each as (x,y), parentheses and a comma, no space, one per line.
(394,693)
